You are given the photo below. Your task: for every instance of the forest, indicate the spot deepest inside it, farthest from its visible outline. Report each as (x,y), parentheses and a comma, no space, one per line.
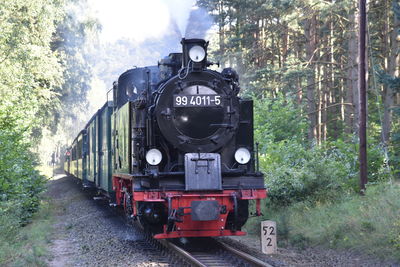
(296,59)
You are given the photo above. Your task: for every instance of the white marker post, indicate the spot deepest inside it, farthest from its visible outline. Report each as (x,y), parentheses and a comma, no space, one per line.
(268,237)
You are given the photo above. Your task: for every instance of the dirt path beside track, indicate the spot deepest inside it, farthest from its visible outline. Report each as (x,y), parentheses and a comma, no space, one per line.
(88,233)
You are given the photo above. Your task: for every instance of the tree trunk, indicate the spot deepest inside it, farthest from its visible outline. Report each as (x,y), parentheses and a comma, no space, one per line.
(311,46)
(299,94)
(351,112)
(221,25)
(388,97)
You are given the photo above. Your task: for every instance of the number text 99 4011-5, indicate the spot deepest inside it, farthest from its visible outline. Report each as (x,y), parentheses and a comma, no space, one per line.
(197,100)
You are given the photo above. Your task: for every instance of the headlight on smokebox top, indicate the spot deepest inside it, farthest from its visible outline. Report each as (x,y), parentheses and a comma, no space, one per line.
(242,155)
(153,157)
(197,53)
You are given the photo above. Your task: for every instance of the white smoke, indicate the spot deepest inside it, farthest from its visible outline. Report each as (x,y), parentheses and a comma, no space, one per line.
(180,12)
(141,20)
(198,23)
(127,19)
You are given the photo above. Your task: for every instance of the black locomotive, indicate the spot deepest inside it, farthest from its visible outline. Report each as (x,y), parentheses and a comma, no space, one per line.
(174,148)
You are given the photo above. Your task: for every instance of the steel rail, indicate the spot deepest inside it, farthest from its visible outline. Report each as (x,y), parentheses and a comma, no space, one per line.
(244,255)
(182,252)
(192,258)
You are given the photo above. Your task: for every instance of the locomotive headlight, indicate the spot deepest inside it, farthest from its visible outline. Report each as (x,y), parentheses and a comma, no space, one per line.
(153,157)
(197,53)
(242,155)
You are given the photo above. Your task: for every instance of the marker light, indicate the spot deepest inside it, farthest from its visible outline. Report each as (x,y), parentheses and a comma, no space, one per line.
(242,155)
(153,156)
(197,53)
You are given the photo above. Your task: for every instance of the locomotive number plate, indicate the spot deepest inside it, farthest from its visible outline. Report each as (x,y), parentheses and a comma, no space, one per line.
(197,100)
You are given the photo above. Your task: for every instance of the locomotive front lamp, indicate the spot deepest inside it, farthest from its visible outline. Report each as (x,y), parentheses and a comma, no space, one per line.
(197,53)
(194,54)
(242,155)
(153,156)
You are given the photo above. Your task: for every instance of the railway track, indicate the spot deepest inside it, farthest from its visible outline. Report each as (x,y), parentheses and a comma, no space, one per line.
(209,252)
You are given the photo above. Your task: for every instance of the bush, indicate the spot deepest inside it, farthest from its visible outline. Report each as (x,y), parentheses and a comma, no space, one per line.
(20,183)
(277,120)
(294,173)
(20,197)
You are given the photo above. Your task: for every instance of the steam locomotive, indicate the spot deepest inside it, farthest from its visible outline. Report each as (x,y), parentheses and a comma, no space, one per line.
(174,148)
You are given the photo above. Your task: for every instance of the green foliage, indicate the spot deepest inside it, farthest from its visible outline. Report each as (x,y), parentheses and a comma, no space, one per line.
(377,168)
(297,171)
(29,73)
(29,68)
(277,120)
(294,172)
(41,64)
(20,182)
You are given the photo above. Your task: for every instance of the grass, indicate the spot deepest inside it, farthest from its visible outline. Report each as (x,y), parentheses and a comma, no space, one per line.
(26,246)
(368,224)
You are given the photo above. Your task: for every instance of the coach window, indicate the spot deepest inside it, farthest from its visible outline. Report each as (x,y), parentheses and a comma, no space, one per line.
(88,146)
(80,149)
(93,140)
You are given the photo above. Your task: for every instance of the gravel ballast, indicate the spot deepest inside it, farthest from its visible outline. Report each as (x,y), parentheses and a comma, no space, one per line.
(89,233)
